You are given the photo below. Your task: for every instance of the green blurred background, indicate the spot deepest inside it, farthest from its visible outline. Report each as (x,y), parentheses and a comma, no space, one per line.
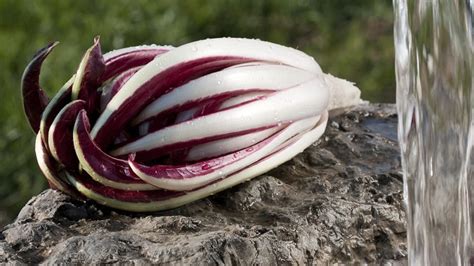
(351,39)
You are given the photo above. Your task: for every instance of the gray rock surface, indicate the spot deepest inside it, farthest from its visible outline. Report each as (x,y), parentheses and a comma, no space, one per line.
(339,201)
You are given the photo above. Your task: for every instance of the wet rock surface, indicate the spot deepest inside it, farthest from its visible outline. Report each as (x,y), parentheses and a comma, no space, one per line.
(338,201)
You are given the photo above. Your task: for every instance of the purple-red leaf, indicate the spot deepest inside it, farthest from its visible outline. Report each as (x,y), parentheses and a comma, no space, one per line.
(116,84)
(89,77)
(57,103)
(100,166)
(34,97)
(123,195)
(49,168)
(60,135)
(131,59)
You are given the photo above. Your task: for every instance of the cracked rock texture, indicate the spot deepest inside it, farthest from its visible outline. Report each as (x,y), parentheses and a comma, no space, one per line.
(340,201)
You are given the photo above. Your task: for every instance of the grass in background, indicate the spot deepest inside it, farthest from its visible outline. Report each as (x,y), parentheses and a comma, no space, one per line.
(350,39)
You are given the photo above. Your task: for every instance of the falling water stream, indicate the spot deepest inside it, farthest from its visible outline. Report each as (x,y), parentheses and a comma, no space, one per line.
(435,102)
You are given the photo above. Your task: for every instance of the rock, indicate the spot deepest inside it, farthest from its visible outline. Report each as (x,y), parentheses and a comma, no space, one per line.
(340,201)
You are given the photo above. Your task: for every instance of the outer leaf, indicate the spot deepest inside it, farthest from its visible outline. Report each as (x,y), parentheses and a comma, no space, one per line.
(89,76)
(60,135)
(49,169)
(85,183)
(103,168)
(62,97)
(34,98)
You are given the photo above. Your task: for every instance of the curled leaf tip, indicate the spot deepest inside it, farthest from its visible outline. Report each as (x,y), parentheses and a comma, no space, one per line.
(34,97)
(89,76)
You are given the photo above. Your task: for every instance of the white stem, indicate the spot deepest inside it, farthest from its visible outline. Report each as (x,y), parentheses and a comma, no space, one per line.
(228,145)
(241,98)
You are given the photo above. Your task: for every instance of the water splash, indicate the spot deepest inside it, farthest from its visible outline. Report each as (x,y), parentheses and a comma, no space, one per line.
(435,100)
